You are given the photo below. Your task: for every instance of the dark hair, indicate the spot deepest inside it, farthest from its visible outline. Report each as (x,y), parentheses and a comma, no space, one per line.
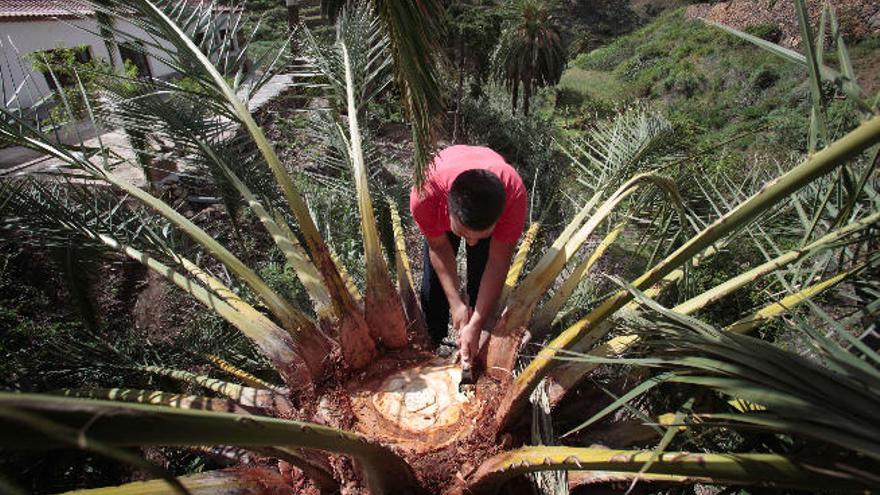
(476,198)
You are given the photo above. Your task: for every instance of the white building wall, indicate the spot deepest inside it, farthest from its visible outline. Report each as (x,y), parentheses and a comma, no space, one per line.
(157,67)
(19,38)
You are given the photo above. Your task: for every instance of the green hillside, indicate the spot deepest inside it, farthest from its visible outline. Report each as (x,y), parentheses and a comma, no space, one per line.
(708,82)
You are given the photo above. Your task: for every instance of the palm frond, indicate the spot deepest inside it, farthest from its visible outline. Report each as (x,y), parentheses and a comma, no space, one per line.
(724,469)
(255,482)
(524,300)
(849,86)
(829,400)
(119,425)
(156,397)
(70,437)
(243,375)
(355,69)
(816,166)
(248,397)
(416,31)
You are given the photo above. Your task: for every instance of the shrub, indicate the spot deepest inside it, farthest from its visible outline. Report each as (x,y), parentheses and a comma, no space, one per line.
(764,78)
(568,98)
(636,64)
(685,83)
(67,68)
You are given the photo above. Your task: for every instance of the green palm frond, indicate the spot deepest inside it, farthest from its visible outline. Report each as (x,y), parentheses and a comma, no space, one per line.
(354,69)
(218,32)
(249,397)
(61,215)
(416,31)
(256,481)
(156,397)
(838,153)
(637,140)
(826,392)
(18,132)
(616,148)
(725,469)
(66,210)
(830,399)
(65,435)
(821,208)
(332,172)
(525,298)
(411,39)
(118,425)
(369,48)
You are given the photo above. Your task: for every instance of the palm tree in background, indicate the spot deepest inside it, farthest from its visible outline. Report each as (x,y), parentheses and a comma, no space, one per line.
(530,52)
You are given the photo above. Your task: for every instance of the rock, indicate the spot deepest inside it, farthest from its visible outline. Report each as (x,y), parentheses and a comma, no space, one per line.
(874,22)
(858,18)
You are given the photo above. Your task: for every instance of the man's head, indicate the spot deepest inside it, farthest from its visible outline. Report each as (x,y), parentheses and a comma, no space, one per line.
(476,201)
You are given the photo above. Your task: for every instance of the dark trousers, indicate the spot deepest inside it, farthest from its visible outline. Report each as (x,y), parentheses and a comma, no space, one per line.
(434,303)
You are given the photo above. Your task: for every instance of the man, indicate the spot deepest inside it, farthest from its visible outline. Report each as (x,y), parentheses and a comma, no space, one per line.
(470,193)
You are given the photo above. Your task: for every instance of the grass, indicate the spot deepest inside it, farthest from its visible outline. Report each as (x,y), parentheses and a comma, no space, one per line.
(601,89)
(709,83)
(734,106)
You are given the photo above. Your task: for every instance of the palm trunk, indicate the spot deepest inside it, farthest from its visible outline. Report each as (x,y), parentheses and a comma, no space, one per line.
(292,14)
(105,28)
(458,91)
(514,97)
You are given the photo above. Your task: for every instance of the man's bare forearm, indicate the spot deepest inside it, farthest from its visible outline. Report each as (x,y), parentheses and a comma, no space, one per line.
(443,261)
(490,288)
(494,275)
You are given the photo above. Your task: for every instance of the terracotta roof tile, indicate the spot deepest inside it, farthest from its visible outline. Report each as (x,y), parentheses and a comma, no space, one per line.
(24,9)
(43,8)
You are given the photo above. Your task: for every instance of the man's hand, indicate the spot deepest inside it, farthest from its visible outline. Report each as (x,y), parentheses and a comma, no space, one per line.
(500,254)
(469,342)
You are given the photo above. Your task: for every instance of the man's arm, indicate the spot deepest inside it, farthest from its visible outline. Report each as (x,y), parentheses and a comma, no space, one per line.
(443,261)
(500,254)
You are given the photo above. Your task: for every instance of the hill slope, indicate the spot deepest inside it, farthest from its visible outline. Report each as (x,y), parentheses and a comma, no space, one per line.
(859,19)
(712,85)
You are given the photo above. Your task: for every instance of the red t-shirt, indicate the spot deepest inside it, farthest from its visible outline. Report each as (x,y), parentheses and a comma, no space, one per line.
(430,209)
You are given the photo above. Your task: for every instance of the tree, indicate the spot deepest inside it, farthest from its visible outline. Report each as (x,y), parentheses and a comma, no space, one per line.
(474,28)
(530,52)
(300,343)
(292,13)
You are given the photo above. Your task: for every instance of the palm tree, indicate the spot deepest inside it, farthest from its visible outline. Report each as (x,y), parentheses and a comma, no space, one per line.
(209,123)
(292,13)
(530,52)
